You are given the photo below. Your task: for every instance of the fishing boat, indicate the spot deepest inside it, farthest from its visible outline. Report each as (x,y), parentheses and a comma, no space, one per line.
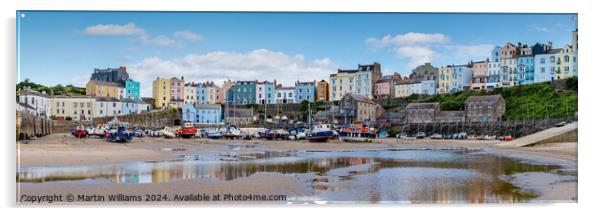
(266,134)
(169,132)
(383,134)
(297,133)
(99,131)
(270,134)
(187,131)
(356,133)
(232,132)
(80,132)
(138,132)
(214,134)
(321,133)
(117,131)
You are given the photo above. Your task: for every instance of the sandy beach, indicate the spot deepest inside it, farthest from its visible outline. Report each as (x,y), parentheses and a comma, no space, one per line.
(65,150)
(59,150)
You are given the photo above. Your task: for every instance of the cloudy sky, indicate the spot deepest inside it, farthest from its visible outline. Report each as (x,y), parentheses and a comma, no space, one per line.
(65,47)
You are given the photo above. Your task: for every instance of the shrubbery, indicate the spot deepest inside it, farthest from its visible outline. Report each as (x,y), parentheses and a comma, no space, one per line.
(524,102)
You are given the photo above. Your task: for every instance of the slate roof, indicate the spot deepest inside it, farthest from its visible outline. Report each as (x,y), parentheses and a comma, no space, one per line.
(484,98)
(240,113)
(455,114)
(104,83)
(208,106)
(32,92)
(422,106)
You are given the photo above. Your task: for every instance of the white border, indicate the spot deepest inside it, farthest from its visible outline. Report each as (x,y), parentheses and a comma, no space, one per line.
(589,149)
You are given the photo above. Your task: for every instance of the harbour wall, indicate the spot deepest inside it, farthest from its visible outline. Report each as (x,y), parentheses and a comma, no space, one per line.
(29,126)
(146,120)
(515,129)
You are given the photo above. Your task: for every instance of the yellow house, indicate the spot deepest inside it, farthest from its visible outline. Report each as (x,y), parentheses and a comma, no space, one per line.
(76,107)
(162,92)
(445,75)
(104,89)
(190,93)
(342,83)
(566,63)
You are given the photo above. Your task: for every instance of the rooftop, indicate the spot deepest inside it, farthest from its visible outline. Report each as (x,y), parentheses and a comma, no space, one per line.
(422,106)
(240,113)
(104,83)
(348,71)
(360,98)
(457,114)
(484,98)
(208,106)
(28,91)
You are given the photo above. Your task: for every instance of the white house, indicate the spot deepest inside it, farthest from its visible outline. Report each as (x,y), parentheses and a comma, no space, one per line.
(461,78)
(40,102)
(285,95)
(107,106)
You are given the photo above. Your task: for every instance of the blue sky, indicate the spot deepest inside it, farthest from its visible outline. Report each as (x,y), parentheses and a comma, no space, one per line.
(64,47)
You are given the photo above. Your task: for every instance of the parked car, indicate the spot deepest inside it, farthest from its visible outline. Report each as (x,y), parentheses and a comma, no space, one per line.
(560,124)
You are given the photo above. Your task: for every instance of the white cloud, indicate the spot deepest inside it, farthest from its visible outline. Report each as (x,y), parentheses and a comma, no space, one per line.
(408,39)
(129,29)
(80,80)
(259,64)
(478,51)
(188,35)
(416,47)
(417,55)
(140,34)
(419,48)
(538,28)
(160,40)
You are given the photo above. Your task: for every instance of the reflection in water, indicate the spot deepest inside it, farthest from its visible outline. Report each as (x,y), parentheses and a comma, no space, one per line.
(376,176)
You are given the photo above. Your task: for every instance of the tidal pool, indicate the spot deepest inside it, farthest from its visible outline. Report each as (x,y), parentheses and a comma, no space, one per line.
(366,176)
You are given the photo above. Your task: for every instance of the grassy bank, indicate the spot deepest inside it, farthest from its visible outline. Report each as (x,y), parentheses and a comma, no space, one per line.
(534,101)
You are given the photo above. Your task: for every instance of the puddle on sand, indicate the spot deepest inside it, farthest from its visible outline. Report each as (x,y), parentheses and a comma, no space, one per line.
(368,176)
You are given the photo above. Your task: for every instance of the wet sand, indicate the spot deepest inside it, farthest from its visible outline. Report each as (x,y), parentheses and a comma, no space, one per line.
(65,150)
(259,184)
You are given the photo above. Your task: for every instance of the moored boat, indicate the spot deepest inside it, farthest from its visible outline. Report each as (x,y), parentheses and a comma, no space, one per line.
(297,133)
(118,131)
(273,134)
(80,132)
(169,132)
(356,133)
(187,131)
(214,135)
(232,132)
(321,133)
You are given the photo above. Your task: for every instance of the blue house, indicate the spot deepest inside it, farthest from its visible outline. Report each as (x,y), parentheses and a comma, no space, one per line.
(201,95)
(243,92)
(132,89)
(202,114)
(129,106)
(305,91)
(526,70)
